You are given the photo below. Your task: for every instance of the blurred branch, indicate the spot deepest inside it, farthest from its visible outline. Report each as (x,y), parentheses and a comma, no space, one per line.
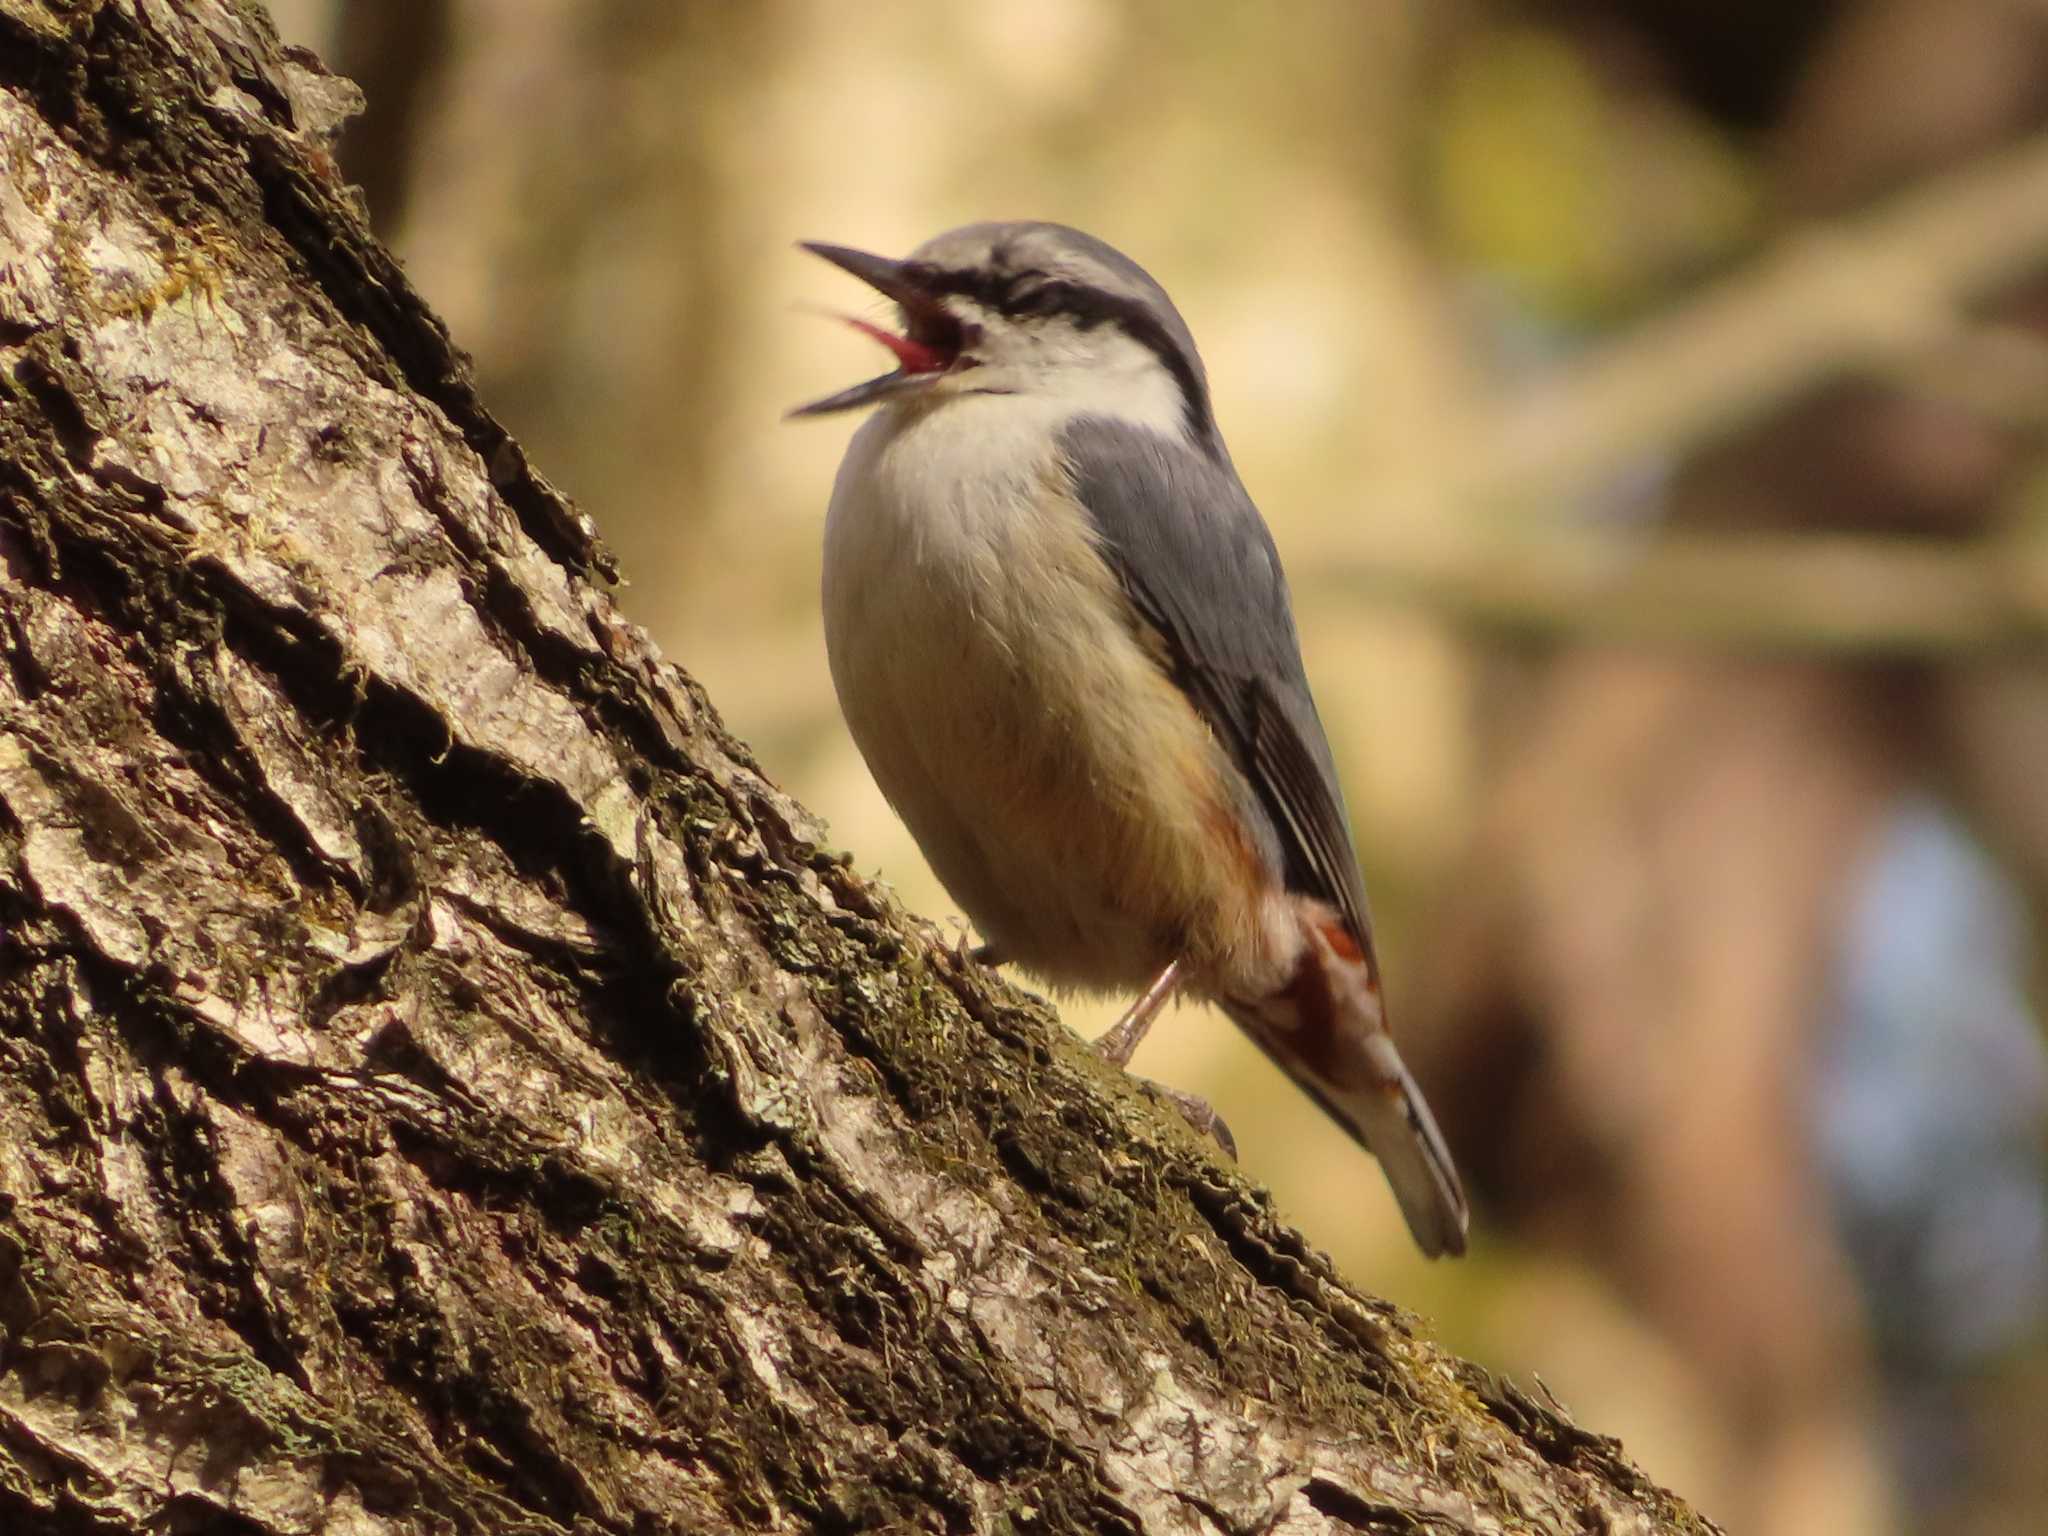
(1889,293)
(1806,592)
(1866,295)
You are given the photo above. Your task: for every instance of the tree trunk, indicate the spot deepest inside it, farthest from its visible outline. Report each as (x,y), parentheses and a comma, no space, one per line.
(445,1086)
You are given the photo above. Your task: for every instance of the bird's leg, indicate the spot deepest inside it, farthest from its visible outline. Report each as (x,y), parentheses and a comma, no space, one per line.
(1120,1041)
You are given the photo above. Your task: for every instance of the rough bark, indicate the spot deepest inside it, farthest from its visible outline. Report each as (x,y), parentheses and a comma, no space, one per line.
(443,1085)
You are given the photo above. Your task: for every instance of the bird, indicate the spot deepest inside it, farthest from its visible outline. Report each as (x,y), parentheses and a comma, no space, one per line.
(1061,638)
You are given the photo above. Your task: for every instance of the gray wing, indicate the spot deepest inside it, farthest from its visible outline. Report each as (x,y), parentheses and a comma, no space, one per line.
(1200,567)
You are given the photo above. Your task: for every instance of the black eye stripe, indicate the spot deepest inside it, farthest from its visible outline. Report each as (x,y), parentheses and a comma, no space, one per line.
(1036,294)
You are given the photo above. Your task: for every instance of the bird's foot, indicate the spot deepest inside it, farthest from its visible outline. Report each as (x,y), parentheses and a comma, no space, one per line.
(965,950)
(1120,1041)
(1200,1115)
(1117,1044)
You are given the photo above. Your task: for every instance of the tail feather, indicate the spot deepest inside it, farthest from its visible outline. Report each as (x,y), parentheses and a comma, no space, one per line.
(1331,1038)
(1391,1120)
(1395,1123)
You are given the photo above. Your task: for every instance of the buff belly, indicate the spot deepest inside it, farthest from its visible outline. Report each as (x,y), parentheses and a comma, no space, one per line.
(994,677)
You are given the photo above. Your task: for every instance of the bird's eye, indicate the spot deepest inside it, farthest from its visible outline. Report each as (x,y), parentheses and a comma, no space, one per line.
(1026,292)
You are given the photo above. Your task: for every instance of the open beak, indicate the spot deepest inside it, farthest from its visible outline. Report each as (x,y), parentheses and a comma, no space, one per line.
(931,339)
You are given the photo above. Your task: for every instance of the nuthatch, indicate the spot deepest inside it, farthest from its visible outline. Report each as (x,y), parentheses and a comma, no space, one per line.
(1062,640)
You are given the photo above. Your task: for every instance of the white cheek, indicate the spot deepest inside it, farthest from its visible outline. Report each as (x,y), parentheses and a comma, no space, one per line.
(1124,378)
(1094,372)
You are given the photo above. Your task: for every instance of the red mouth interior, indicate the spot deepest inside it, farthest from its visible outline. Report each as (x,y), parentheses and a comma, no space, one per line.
(914,356)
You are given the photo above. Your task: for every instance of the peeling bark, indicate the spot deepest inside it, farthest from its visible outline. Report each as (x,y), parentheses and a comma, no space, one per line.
(443,1086)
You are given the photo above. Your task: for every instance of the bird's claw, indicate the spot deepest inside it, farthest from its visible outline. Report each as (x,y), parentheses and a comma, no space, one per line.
(1200,1115)
(966,950)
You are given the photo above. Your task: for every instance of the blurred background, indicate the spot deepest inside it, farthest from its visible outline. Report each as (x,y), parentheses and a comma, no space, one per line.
(1650,398)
